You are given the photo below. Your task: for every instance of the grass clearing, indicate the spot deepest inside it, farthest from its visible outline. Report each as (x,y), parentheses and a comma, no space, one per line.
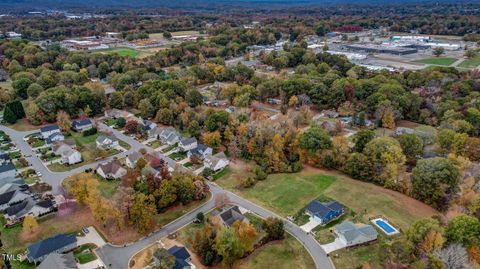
(124,52)
(286,194)
(176,212)
(470,63)
(444,61)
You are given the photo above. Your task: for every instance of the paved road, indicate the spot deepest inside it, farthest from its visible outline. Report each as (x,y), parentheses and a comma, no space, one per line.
(55,178)
(117,257)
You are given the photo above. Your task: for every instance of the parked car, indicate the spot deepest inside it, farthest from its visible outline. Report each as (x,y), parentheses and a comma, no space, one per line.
(85,230)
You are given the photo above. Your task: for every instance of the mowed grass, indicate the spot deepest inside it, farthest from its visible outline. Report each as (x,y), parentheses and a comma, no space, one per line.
(470,63)
(445,61)
(124,52)
(285,194)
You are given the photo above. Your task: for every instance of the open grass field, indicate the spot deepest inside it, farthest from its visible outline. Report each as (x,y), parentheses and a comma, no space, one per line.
(128,52)
(286,194)
(470,63)
(444,61)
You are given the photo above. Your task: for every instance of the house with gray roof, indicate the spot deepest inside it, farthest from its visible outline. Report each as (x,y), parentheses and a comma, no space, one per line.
(228,216)
(11,194)
(59,261)
(30,206)
(7,168)
(186,144)
(112,169)
(59,243)
(216,162)
(49,130)
(168,136)
(82,125)
(131,160)
(351,234)
(106,142)
(201,152)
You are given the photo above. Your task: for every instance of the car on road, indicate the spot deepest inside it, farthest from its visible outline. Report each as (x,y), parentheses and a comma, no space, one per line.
(39,174)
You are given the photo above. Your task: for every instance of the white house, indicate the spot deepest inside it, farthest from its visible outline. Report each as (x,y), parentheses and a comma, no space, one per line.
(106,142)
(131,160)
(66,150)
(186,144)
(112,169)
(82,125)
(168,136)
(216,162)
(49,130)
(54,137)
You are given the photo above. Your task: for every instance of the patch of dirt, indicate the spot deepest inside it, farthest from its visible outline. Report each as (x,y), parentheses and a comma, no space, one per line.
(407,124)
(24,125)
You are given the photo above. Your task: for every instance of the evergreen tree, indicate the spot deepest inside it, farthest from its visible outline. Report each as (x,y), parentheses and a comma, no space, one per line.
(9,116)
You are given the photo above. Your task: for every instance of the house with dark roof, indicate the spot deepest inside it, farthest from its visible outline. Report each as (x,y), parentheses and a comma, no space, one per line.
(324,212)
(228,216)
(59,261)
(186,144)
(182,258)
(82,125)
(11,194)
(55,137)
(59,243)
(7,168)
(112,169)
(29,206)
(201,152)
(351,234)
(49,130)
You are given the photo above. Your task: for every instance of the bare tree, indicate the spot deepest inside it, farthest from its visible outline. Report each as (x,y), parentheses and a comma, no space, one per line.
(454,257)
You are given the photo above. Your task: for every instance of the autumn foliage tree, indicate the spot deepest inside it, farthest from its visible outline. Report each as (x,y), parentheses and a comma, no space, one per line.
(30,224)
(131,126)
(63,121)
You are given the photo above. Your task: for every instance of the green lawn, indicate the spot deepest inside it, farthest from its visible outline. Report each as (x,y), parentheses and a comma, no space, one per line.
(470,63)
(38,143)
(155,144)
(285,194)
(128,52)
(175,212)
(188,165)
(108,188)
(178,155)
(84,253)
(437,61)
(15,155)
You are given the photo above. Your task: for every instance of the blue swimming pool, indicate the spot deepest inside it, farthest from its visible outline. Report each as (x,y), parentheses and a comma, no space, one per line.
(385,226)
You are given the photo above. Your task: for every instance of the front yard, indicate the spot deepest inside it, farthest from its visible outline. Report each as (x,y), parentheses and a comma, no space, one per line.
(84,254)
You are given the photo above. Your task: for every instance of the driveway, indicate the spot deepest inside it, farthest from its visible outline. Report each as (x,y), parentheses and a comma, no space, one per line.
(92,237)
(335,245)
(307,227)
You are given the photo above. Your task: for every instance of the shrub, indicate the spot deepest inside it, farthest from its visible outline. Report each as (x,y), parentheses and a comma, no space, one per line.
(248,182)
(89,132)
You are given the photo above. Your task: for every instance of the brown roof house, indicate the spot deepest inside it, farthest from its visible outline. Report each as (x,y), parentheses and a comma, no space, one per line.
(112,170)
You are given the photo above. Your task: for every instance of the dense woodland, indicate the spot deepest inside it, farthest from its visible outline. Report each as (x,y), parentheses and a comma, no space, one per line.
(436,164)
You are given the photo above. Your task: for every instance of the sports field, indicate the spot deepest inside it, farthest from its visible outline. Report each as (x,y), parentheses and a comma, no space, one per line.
(444,61)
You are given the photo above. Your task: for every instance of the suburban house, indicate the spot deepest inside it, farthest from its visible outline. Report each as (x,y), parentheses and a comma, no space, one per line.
(186,144)
(59,243)
(131,160)
(149,125)
(201,152)
(324,212)
(49,130)
(7,168)
(66,150)
(82,125)
(351,234)
(54,138)
(59,261)
(11,194)
(11,180)
(168,136)
(30,206)
(112,169)
(117,113)
(227,217)
(216,162)
(182,258)
(106,142)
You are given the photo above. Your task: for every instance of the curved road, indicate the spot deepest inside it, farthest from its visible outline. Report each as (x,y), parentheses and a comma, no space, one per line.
(117,257)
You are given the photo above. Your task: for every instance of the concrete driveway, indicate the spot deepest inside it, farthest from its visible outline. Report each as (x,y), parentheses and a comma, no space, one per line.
(92,237)
(335,245)
(307,227)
